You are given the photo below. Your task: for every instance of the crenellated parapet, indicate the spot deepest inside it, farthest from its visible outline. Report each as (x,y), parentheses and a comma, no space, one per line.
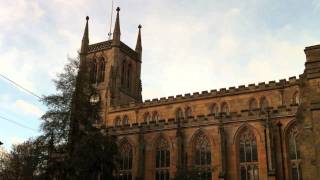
(231,91)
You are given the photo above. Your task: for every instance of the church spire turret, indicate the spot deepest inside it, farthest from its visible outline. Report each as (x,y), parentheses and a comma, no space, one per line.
(85,38)
(139,44)
(116,32)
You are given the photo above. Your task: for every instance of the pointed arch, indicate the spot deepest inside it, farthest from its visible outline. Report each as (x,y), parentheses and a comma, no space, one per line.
(225,108)
(125,120)
(162,158)
(264,103)
(243,127)
(293,152)
(253,104)
(101,69)
(202,154)
(125,160)
(117,121)
(155,116)
(247,154)
(179,113)
(296,98)
(214,109)
(147,117)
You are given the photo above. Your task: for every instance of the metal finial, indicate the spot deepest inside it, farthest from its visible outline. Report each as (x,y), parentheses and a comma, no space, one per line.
(139,26)
(87,18)
(118,9)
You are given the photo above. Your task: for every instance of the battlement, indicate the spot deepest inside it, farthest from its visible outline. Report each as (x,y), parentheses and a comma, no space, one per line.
(231,91)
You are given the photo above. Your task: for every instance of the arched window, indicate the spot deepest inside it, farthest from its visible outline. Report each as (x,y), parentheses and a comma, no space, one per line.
(225,108)
(179,114)
(214,109)
(249,165)
(296,98)
(155,116)
(294,154)
(129,72)
(125,120)
(125,169)
(162,160)
(101,70)
(147,117)
(202,156)
(264,104)
(117,121)
(253,104)
(188,112)
(93,72)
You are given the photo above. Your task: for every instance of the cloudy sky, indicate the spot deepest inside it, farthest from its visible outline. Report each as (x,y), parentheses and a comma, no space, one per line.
(188,46)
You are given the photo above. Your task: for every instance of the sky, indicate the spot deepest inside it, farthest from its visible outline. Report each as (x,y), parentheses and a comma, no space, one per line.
(188,46)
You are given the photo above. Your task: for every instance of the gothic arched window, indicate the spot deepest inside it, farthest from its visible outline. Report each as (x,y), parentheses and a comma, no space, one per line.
(93,71)
(202,156)
(224,108)
(125,120)
(188,112)
(294,154)
(214,109)
(264,104)
(101,70)
(147,117)
(248,156)
(129,75)
(296,98)
(155,116)
(125,169)
(253,104)
(162,160)
(117,121)
(179,114)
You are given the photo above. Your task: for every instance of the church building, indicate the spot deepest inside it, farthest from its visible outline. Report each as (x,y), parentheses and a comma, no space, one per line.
(268,130)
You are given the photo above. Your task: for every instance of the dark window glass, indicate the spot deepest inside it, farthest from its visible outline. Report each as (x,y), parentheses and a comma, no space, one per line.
(162,160)
(125,162)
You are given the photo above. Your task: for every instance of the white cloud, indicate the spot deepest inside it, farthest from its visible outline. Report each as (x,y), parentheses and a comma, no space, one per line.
(28,108)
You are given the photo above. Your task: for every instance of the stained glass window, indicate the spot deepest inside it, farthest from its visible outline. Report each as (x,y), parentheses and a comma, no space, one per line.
(248,156)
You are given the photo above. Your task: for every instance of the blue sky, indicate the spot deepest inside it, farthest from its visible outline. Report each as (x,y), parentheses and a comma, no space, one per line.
(188,46)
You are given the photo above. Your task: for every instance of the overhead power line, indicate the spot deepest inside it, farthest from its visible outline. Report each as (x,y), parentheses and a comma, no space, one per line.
(20,86)
(18,124)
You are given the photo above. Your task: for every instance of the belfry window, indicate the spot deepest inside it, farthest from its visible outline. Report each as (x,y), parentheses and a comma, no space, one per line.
(93,71)
(101,70)
(248,156)
(202,156)
(294,154)
(125,164)
(162,160)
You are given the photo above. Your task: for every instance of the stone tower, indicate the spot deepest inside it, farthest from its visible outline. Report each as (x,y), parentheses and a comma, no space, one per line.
(114,68)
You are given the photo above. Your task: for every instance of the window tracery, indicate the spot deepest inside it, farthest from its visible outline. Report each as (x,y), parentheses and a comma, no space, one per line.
(214,109)
(296,98)
(125,164)
(225,108)
(162,160)
(155,116)
(294,154)
(202,156)
(248,156)
(125,120)
(101,70)
(147,117)
(117,121)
